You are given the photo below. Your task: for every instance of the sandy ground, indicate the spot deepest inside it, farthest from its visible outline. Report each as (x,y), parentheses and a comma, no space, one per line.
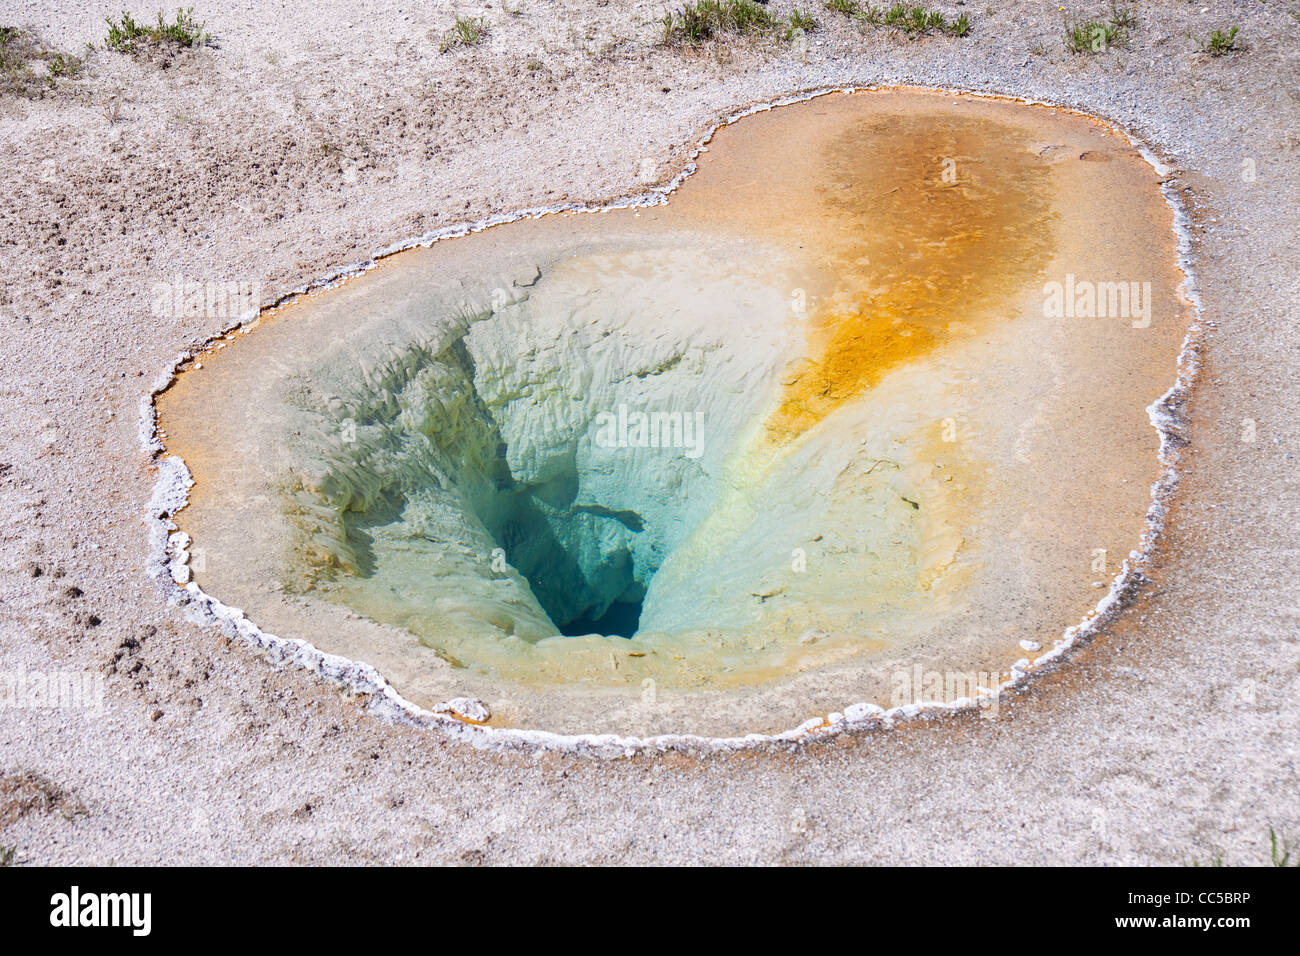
(315,134)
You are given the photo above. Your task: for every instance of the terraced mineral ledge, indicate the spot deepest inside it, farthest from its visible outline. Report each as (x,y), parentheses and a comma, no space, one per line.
(865,400)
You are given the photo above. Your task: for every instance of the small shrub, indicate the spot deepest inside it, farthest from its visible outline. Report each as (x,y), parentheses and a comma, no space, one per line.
(127,36)
(123,34)
(1221,43)
(63,65)
(184,32)
(19,52)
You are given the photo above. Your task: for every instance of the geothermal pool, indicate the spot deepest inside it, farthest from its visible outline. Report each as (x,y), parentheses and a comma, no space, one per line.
(865,399)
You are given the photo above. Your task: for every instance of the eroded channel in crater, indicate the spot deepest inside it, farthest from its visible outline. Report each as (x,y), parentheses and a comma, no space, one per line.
(816,426)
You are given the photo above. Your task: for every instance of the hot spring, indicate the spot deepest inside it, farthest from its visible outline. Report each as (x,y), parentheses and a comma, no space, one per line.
(866,398)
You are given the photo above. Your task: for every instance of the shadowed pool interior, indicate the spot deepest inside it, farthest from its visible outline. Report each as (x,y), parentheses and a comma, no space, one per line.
(718,465)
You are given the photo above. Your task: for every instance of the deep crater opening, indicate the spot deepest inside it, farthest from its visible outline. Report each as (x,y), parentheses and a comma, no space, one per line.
(557,547)
(515,483)
(620,619)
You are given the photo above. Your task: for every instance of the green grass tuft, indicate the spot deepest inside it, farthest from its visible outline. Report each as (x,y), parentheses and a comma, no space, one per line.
(801,21)
(1281,854)
(1220,43)
(1089,36)
(127,36)
(1098,36)
(466,31)
(1121,17)
(914,21)
(700,20)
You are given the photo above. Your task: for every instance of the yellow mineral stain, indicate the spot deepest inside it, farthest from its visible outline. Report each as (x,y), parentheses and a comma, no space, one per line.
(929,225)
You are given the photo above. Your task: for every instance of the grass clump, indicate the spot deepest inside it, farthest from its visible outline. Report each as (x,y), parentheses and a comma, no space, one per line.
(124,35)
(800,21)
(1280,850)
(1122,18)
(466,31)
(700,20)
(127,36)
(20,52)
(914,21)
(1096,36)
(1220,43)
(1090,36)
(1279,853)
(184,31)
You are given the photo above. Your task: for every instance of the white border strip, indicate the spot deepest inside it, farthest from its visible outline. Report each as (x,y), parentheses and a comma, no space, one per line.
(455,718)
